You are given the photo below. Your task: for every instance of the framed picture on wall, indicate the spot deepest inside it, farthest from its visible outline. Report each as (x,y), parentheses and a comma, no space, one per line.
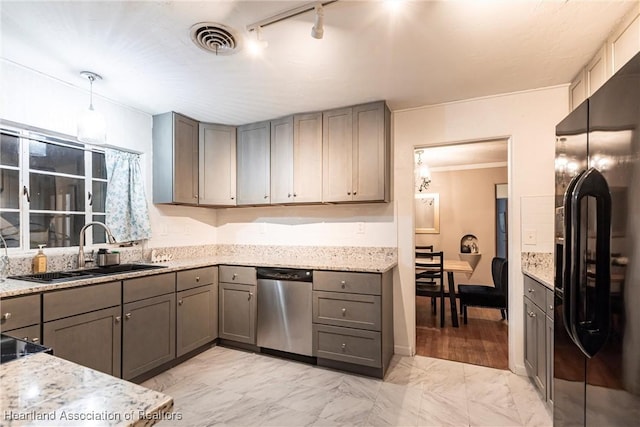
(427,213)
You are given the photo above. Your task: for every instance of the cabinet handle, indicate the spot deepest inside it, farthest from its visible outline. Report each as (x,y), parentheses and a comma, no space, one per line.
(250,295)
(532,314)
(118,319)
(36,339)
(344,311)
(127,316)
(343,283)
(6,316)
(197,278)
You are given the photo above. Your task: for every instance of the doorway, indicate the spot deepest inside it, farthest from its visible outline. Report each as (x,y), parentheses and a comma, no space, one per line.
(467,224)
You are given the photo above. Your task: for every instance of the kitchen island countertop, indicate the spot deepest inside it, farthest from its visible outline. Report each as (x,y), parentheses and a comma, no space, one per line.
(45,390)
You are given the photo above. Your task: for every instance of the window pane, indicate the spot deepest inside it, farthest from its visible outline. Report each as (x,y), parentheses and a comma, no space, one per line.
(99,235)
(9,149)
(99,165)
(9,189)
(10,228)
(55,158)
(99,195)
(56,193)
(55,230)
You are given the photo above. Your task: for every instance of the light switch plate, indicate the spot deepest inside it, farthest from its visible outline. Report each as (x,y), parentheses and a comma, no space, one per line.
(530,237)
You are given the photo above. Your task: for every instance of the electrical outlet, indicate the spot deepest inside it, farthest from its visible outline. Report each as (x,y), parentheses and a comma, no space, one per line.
(530,237)
(360,228)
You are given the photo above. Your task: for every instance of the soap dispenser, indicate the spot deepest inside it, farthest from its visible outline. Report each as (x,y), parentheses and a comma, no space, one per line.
(40,261)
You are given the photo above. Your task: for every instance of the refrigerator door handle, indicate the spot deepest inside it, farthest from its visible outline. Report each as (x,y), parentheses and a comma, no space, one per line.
(569,281)
(591,333)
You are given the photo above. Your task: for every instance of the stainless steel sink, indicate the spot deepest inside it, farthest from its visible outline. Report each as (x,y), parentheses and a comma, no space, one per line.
(122,268)
(66,276)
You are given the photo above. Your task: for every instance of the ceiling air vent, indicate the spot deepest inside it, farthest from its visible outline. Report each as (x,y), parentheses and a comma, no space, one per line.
(215,38)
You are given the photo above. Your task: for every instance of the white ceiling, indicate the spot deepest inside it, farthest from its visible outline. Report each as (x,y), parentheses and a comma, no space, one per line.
(428,52)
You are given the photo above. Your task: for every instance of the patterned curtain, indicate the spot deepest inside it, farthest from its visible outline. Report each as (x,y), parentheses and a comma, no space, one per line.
(126,204)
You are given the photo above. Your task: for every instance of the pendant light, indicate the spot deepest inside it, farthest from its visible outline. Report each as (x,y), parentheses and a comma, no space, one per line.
(92,127)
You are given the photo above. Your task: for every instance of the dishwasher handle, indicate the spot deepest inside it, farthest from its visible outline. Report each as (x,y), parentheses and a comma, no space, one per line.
(288,274)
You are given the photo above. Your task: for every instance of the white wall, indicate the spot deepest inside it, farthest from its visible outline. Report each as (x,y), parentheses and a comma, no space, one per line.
(34,99)
(528,119)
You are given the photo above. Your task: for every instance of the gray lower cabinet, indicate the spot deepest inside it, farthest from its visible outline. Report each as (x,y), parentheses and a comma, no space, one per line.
(196,318)
(20,317)
(83,325)
(149,323)
(237,305)
(149,334)
(353,321)
(538,334)
(91,339)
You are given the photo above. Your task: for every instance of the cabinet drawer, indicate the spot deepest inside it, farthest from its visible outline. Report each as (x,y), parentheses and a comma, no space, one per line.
(347,345)
(148,286)
(189,279)
(535,291)
(70,302)
(19,312)
(30,333)
(550,303)
(236,274)
(340,281)
(350,310)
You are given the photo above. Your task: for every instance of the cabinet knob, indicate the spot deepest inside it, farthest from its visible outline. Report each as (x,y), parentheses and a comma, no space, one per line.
(266,196)
(195,196)
(295,195)
(344,346)
(233,198)
(344,311)
(343,284)
(36,339)
(288,194)
(348,193)
(234,276)
(6,316)
(127,316)
(530,290)
(180,302)
(197,278)
(118,318)
(532,314)
(250,295)
(355,192)
(551,307)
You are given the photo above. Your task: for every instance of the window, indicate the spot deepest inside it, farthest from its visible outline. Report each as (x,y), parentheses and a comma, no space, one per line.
(49,189)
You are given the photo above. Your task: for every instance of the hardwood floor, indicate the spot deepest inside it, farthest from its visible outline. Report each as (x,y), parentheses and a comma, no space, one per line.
(483,341)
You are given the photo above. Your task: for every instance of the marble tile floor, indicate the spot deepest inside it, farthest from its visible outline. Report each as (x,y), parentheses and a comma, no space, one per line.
(228,387)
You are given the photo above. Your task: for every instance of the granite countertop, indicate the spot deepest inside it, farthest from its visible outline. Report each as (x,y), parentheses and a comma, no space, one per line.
(539,266)
(12,287)
(45,390)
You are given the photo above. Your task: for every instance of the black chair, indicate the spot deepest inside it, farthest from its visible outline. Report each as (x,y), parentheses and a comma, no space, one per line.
(496,296)
(430,277)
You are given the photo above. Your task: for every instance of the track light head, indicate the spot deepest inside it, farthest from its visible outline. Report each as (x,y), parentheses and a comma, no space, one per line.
(317,31)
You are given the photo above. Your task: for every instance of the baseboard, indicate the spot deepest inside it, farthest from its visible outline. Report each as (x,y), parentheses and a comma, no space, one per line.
(403,350)
(520,370)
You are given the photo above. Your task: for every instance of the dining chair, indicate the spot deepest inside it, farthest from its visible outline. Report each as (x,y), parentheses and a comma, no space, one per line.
(496,296)
(429,269)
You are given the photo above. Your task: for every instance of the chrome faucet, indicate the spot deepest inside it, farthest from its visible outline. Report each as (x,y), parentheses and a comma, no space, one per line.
(110,239)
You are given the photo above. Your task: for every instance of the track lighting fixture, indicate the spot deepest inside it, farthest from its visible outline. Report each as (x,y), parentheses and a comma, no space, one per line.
(317,31)
(92,127)
(257,45)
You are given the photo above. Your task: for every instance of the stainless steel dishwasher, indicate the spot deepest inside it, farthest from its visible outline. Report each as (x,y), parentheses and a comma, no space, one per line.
(285,310)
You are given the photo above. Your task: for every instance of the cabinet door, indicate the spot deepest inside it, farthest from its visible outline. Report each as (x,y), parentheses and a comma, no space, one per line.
(217,165)
(337,153)
(598,71)
(237,315)
(149,334)
(307,158)
(185,157)
(549,357)
(282,160)
(29,333)
(196,318)
(370,151)
(254,164)
(91,339)
(541,350)
(530,344)
(535,352)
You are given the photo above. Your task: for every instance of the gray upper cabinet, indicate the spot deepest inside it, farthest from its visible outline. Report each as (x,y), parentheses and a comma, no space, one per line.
(217,165)
(253,164)
(296,159)
(282,160)
(337,143)
(175,159)
(356,154)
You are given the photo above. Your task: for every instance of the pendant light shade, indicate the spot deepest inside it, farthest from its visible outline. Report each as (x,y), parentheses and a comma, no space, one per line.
(92,127)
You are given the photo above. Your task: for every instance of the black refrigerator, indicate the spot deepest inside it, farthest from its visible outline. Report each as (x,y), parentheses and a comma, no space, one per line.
(596,368)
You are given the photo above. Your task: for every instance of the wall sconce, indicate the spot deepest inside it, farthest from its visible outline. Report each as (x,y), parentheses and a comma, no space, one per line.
(92,127)
(423,173)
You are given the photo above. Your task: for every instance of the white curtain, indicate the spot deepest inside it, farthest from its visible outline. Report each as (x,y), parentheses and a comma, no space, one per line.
(126,204)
